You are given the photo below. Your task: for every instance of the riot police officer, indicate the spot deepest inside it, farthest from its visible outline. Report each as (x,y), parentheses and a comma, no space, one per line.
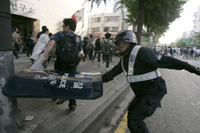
(141,67)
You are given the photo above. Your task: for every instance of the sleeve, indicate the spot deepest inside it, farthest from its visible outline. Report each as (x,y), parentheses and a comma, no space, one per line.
(56,37)
(112,73)
(45,38)
(148,56)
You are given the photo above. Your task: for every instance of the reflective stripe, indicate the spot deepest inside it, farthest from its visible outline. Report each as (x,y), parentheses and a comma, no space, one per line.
(143,77)
(122,58)
(132,59)
(131,78)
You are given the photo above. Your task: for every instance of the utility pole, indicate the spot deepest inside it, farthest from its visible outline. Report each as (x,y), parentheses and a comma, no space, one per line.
(8,105)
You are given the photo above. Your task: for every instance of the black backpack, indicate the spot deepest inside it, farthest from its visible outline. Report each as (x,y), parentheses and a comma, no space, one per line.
(67,51)
(105,50)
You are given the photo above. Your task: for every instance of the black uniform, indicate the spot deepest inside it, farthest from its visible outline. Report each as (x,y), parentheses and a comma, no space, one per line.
(148,93)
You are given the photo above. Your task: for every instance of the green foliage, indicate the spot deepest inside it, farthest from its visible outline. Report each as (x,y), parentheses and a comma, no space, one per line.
(173,44)
(197,39)
(119,5)
(180,43)
(158,14)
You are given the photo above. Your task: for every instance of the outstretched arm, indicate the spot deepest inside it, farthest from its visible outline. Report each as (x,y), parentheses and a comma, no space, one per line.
(147,55)
(47,50)
(112,73)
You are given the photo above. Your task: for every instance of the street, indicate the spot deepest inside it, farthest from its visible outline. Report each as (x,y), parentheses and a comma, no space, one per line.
(180,112)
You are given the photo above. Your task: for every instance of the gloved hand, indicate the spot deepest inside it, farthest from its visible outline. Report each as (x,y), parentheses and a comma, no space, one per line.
(197,71)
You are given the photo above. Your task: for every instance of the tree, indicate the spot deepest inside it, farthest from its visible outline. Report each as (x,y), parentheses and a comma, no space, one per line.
(156,15)
(197,39)
(173,44)
(180,43)
(120,6)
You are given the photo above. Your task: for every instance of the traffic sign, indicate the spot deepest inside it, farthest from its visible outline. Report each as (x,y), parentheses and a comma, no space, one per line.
(187,40)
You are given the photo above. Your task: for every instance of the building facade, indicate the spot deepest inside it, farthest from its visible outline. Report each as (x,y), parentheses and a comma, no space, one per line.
(31,15)
(98,24)
(197,21)
(25,15)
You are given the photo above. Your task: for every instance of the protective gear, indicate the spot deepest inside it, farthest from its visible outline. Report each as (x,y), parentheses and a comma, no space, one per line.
(131,78)
(125,36)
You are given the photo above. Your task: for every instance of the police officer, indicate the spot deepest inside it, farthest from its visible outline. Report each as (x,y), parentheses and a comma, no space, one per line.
(141,67)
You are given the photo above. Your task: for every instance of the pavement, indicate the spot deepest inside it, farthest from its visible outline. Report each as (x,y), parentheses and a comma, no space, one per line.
(46,116)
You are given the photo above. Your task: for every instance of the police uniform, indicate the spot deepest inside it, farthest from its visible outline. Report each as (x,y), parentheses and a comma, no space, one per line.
(144,78)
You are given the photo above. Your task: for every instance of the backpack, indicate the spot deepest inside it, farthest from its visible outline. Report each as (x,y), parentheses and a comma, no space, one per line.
(67,50)
(105,48)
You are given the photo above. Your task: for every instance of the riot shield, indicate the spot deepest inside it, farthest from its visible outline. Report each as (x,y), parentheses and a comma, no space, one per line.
(54,84)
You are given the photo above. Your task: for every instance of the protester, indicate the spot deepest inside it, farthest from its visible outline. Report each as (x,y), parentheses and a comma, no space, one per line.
(84,44)
(30,43)
(41,32)
(14,43)
(40,45)
(66,61)
(20,43)
(106,44)
(97,50)
(141,67)
(89,48)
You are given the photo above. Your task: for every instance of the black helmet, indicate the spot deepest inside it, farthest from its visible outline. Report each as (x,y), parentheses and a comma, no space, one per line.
(126,36)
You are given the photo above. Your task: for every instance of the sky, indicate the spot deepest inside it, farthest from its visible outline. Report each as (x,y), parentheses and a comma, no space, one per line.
(182,24)
(176,28)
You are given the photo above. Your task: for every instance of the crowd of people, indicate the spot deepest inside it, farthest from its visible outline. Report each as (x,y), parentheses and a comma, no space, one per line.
(91,47)
(185,52)
(42,45)
(104,48)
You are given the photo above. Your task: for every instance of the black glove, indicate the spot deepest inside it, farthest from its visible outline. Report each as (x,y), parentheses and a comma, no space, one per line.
(197,70)
(194,69)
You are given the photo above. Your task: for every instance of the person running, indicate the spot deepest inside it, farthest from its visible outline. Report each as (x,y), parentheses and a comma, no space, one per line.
(40,45)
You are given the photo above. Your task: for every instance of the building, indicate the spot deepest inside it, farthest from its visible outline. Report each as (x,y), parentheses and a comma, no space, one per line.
(31,15)
(187,34)
(24,16)
(197,21)
(98,24)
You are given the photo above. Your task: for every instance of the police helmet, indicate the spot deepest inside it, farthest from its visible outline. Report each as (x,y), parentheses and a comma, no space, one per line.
(126,36)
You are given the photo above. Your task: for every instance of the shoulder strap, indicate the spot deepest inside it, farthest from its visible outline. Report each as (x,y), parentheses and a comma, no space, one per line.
(108,40)
(131,60)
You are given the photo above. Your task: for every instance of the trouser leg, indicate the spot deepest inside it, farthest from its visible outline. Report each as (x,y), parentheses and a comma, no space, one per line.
(99,56)
(110,56)
(107,61)
(138,110)
(72,102)
(87,50)
(95,53)
(91,53)
(15,53)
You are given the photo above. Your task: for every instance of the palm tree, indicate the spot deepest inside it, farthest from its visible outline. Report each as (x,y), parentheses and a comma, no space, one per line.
(119,5)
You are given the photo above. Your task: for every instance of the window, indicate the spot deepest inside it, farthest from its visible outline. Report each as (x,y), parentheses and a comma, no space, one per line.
(95,29)
(111,19)
(95,20)
(111,29)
